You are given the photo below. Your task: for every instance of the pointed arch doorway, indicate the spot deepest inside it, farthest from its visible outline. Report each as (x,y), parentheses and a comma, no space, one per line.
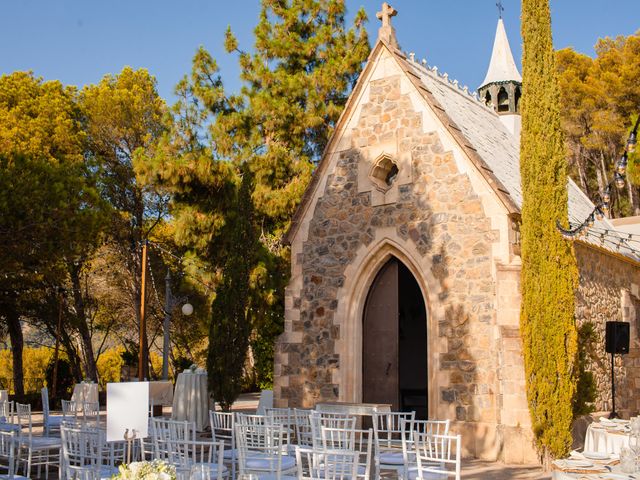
(394,343)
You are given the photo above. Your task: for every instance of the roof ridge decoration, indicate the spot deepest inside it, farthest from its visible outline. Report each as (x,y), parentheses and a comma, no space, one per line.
(502,67)
(444,78)
(386,32)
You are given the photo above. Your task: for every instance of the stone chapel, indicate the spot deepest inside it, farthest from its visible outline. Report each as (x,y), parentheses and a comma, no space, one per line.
(405,259)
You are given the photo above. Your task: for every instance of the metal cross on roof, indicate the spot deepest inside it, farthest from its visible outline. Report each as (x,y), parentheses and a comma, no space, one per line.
(385,15)
(500,8)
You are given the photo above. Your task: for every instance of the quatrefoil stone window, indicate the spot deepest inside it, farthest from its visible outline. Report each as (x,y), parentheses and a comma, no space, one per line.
(384,172)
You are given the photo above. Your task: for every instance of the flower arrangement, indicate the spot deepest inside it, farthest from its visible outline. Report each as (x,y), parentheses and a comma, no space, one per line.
(154,470)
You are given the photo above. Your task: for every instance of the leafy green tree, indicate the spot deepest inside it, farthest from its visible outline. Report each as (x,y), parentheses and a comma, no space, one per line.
(601,99)
(296,81)
(125,116)
(549,272)
(46,197)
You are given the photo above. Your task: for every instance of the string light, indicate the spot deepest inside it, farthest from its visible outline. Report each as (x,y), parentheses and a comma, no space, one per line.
(579,229)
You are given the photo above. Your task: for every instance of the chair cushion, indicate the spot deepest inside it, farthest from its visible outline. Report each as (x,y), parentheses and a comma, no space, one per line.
(230,454)
(41,443)
(273,476)
(9,427)
(266,463)
(107,472)
(55,420)
(392,458)
(413,474)
(213,467)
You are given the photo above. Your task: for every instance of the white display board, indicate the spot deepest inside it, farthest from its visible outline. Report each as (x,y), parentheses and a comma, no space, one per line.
(127,409)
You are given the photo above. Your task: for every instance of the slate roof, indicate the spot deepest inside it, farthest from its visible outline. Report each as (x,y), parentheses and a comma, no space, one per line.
(486,141)
(500,150)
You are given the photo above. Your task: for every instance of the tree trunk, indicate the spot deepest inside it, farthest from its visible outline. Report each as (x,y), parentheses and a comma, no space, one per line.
(89,361)
(17,345)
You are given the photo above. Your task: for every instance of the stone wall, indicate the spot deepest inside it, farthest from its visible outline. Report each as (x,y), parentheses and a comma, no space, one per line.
(608,291)
(433,210)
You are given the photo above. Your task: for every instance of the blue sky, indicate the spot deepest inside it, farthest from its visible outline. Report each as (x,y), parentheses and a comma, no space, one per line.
(78,41)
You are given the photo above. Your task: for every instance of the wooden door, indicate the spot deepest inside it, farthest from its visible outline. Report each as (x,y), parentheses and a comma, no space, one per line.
(380,339)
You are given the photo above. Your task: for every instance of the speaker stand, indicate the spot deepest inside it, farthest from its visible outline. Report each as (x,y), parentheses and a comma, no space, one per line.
(613,413)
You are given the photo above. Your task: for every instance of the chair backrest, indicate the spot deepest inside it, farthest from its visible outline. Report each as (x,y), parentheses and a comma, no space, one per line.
(246,419)
(326,464)
(6,411)
(91,413)
(82,451)
(44,393)
(387,429)
(164,432)
(265,401)
(427,427)
(260,441)
(282,416)
(8,444)
(23,414)
(69,409)
(329,420)
(437,455)
(223,427)
(302,419)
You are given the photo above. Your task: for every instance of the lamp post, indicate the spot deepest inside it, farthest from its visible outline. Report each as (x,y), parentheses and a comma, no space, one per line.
(169,304)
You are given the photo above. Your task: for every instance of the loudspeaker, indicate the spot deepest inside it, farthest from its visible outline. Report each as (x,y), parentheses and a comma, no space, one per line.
(617,338)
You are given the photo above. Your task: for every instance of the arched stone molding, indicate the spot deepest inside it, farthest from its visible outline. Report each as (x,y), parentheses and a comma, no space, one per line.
(359,276)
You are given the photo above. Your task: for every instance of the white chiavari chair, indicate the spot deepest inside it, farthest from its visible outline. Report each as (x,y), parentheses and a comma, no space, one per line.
(437,456)
(387,430)
(8,446)
(262,450)
(35,451)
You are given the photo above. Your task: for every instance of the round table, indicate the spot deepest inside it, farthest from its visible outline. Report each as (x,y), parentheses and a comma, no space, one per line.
(85,393)
(605,440)
(191,399)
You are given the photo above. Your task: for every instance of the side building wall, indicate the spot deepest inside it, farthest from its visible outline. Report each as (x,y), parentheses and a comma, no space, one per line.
(609,291)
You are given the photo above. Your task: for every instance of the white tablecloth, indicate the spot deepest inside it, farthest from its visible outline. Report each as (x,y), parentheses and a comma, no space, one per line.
(602,440)
(596,470)
(161,392)
(85,393)
(191,400)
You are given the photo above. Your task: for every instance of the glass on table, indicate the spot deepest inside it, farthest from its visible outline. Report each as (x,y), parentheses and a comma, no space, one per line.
(627,460)
(200,471)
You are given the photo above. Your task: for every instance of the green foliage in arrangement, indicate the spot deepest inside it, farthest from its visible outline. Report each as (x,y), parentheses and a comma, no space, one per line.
(296,81)
(549,271)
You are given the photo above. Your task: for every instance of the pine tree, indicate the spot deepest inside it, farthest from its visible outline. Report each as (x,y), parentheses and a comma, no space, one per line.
(296,81)
(549,271)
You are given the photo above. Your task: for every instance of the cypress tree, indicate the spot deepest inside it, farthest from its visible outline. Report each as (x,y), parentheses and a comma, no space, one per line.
(549,272)
(230,323)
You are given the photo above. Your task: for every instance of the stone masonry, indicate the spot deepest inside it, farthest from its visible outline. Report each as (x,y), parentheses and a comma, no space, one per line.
(609,290)
(437,211)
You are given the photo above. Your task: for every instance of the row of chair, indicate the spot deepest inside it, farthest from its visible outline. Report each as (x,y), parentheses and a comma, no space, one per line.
(409,447)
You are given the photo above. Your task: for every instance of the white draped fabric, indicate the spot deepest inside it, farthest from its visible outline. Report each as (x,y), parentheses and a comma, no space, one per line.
(85,393)
(602,440)
(190,399)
